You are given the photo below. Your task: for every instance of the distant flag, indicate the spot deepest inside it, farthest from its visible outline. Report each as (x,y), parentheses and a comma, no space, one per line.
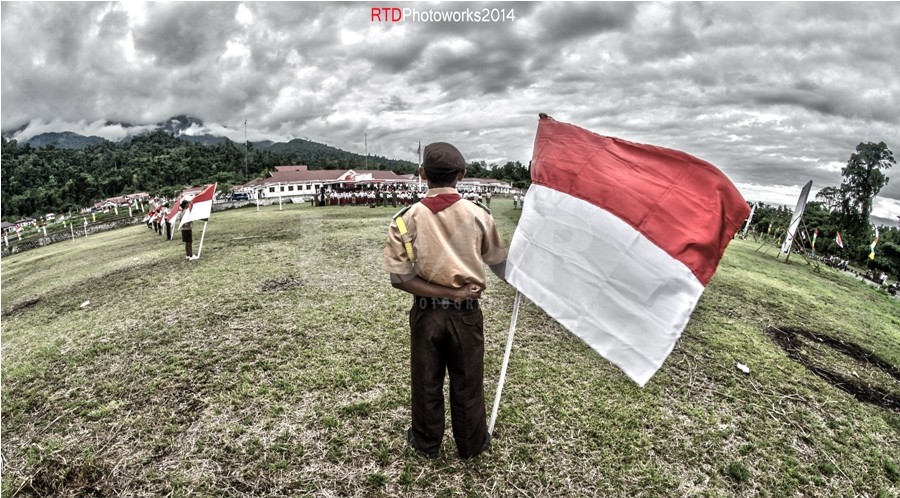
(749,219)
(872,246)
(788,243)
(200,206)
(804,235)
(815,234)
(174,211)
(840,242)
(617,240)
(149,215)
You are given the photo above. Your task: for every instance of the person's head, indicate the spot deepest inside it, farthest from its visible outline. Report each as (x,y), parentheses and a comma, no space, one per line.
(185,203)
(442,165)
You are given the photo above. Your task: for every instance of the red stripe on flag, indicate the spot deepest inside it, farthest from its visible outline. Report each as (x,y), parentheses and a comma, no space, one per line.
(174,210)
(204,195)
(683,204)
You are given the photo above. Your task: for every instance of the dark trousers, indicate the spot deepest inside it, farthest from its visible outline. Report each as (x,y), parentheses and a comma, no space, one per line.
(448,337)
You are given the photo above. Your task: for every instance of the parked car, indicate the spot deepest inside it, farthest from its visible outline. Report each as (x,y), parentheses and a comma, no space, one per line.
(240,196)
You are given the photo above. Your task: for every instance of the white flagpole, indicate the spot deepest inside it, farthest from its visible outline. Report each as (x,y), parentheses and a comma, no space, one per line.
(749,219)
(200,249)
(509,341)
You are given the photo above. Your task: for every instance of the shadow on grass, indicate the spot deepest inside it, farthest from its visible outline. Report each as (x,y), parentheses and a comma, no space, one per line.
(788,338)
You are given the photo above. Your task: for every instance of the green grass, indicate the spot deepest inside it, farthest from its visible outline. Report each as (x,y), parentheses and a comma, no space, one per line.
(278,365)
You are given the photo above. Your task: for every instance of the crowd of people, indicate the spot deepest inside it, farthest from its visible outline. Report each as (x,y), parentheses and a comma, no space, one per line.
(157,217)
(161,218)
(383,197)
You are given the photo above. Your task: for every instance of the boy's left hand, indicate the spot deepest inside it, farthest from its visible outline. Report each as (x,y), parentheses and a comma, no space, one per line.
(468,291)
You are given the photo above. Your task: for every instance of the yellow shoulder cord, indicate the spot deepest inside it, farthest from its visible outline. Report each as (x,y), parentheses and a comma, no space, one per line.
(409,248)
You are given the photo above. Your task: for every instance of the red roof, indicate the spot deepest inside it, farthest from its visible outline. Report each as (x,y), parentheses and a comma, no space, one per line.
(302,174)
(301,167)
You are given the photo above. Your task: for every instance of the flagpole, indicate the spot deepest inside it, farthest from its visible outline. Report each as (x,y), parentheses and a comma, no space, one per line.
(509,342)
(199,249)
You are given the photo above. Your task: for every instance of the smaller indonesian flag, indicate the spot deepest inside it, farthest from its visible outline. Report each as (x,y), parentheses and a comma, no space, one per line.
(839,241)
(200,206)
(872,246)
(174,211)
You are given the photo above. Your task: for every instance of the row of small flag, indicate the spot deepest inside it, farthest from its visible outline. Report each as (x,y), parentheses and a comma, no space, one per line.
(199,208)
(840,242)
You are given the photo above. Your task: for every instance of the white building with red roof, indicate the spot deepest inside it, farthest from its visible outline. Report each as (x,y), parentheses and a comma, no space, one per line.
(288,181)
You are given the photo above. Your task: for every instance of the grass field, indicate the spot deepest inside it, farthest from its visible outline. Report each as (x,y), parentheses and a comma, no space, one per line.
(278,365)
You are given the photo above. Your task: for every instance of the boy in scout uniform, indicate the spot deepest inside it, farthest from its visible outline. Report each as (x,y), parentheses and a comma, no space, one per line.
(436,250)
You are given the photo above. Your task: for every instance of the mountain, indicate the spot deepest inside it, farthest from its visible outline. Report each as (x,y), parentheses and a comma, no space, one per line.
(297,151)
(175,126)
(65,140)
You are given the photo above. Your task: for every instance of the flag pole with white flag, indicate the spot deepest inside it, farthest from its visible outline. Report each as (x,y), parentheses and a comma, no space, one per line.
(749,219)
(788,243)
(618,240)
(200,208)
(872,246)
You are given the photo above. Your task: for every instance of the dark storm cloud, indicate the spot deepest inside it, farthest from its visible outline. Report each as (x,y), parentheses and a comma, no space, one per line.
(395,103)
(185,33)
(775,94)
(560,22)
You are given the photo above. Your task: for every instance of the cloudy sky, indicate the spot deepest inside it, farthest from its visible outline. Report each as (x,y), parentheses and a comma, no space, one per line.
(774,94)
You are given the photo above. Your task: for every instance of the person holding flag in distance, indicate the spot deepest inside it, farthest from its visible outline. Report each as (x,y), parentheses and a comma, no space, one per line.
(198,208)
(187,233)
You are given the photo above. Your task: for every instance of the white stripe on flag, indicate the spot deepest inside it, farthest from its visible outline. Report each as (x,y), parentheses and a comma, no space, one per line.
(601,279)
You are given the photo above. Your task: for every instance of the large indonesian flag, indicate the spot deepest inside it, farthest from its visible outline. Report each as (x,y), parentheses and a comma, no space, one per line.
(200,206)
(617,240)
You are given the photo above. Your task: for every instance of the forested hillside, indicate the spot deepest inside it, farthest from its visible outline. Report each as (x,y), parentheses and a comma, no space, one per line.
(53,178)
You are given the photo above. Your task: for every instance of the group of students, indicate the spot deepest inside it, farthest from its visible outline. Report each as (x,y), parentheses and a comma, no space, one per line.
(158,219)
(371,198)
(518,200)
(385,197)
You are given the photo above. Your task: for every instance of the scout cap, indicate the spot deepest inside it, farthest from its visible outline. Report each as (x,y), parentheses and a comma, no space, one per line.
(442,162)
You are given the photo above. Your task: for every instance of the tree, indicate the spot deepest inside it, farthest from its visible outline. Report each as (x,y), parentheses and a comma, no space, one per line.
(863,179)
(830,197)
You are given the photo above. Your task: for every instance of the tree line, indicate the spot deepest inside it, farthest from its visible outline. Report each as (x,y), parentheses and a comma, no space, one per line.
(844,209)
(50,179)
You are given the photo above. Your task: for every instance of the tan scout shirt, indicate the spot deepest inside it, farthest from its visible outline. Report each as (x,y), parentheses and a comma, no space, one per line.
(451,247)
